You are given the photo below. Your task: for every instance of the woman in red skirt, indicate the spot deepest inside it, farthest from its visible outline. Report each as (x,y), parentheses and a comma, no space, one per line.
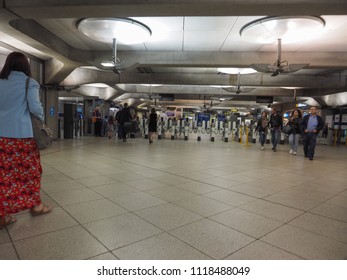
(20,166)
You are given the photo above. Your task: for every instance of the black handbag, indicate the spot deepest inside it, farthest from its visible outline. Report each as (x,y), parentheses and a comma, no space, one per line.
(287,129)
(42,134)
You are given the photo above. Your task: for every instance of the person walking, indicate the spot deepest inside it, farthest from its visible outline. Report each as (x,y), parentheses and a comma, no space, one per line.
(294,123)
(276,125)
(110,127)
(310,126)
(261,128)
(152,125)
(20,165)
(124,116)
(97,121)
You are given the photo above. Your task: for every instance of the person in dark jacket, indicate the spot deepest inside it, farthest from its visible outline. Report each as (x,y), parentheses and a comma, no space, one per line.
(124,116)
(310,126)
(276,125)
(294,123)
(97,119)
(261,127)
(152,125)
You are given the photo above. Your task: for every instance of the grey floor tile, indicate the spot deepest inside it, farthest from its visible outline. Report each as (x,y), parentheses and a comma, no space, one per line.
(27,226)
(96,181)
(197,187)
(322,185)
(121,230)
(252,191)
(128,177)
(331,211)
(211,238)
(105,256)
(312,195)
(137,201)
(327,227)
(114,190)
(339,200)
(230,197)
(94,210)
(7,252)
(168,216)
(202,205)
(171,179)
(75,196)
(293,201)
(170,193)
(56,177)
(146,184)
(272,210)
(160,247)
(246,222)
(58,186)
(220,182)
(259,250)
(273,185)
(73,243)
(306,244)
(4,237)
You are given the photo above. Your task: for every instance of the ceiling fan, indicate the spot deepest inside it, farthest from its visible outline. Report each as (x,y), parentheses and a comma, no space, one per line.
(221,97)
(238,89)
(291,99)
(280,66)
(115,64)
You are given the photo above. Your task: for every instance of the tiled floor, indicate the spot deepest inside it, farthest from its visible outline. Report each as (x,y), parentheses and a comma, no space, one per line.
(184,200)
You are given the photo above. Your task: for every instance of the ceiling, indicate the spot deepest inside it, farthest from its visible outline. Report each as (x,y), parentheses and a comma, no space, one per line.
(190,40)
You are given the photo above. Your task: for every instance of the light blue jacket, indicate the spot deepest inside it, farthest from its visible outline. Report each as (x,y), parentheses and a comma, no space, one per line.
(15,119)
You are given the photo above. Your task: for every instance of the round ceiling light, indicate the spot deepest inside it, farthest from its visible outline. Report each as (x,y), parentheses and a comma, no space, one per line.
(125,30)
(290,29)
(236,70)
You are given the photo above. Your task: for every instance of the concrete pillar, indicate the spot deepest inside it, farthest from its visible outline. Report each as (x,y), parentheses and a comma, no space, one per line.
(50,103)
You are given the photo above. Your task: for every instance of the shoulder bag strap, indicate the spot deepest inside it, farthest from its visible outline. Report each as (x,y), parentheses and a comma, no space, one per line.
(26,91)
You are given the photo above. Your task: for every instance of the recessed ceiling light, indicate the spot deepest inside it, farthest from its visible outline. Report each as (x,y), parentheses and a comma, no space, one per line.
(125,30)
(234,70)
(107,64)
(290,29)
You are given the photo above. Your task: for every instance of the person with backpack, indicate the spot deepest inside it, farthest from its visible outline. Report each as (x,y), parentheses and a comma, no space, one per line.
(262,127)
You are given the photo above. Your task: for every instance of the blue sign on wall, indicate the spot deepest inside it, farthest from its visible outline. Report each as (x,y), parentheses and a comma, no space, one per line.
(51,111)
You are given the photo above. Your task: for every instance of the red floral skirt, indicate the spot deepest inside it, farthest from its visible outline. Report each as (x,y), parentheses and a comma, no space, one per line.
(20,175)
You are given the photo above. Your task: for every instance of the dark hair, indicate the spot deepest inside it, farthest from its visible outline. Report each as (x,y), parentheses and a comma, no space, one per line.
(125,105)
(15,61)
(299,113)
(153,110)
(263,113)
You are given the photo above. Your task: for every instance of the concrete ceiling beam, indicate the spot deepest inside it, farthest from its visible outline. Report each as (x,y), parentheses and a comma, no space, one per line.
(84,76)
(125,8)
(225,59)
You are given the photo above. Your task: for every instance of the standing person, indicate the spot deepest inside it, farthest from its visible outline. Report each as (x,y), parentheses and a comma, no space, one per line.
(119,131)
(325,131)
(294,123)
(110,127)
(310,126)
(97,121)
(152,125)
(262,128)
(20,165)
(276,127)
(124,116)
